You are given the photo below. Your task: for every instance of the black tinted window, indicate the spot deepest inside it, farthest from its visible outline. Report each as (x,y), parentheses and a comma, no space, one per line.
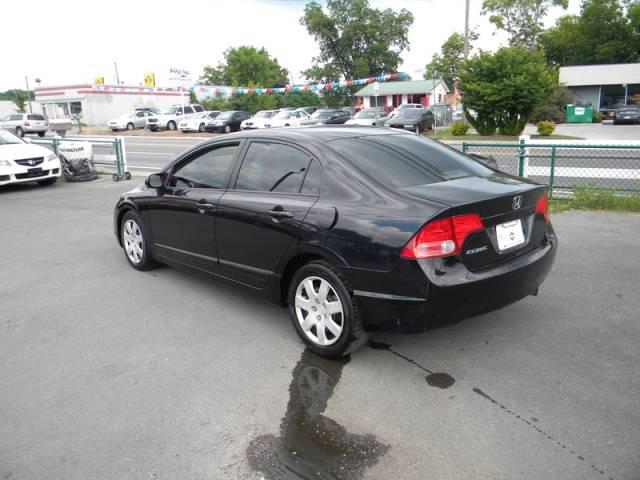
(35,117)
(188,110)
(446,162)
(272,167)
(208,170)
(313,181)
(198,108)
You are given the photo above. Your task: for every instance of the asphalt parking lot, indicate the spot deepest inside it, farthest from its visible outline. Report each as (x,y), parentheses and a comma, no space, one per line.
(107,372)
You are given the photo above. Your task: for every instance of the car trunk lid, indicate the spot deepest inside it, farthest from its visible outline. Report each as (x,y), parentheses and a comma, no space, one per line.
(506,206)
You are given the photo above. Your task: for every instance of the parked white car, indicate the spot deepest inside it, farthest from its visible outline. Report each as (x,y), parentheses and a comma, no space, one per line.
(198,121)
(258,120)
(403,106)
(22,123)
(169,118)
(20,161)
(287,118)
(369,117)
(130,120)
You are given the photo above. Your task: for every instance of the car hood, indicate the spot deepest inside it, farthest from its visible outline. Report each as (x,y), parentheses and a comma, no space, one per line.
(405,121)
(22,150)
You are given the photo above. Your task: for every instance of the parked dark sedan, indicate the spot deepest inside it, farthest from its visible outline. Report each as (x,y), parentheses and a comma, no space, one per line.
(412,118)
(627,114)
(328,116)
(355,229)
(227,121)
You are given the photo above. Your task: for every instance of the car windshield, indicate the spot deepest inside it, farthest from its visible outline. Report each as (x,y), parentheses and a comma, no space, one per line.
(225,116)
(369,114)
(410,113)
(8,138)
(322,114)
(407,160)
(201,115)
(263,114)
(169,111)
(283,115)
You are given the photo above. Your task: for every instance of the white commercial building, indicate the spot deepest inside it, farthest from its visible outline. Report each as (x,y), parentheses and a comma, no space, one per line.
(603,85)
(97,104)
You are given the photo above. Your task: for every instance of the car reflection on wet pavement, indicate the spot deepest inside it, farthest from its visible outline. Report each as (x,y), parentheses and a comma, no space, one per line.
(311,445)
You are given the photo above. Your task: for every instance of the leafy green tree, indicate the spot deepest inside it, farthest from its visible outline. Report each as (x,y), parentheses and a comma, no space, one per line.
(521,19)
(445,65)
(246,66)
(20,101)
(502,89)
(604,32)
(305,98)
(355,39)
(554,108)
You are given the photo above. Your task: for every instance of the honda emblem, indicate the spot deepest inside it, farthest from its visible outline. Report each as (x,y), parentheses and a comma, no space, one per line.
(517,202)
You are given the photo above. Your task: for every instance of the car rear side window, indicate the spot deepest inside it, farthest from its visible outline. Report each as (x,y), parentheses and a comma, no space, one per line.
(272,167)
(207,170)
(385,165)
(198,108)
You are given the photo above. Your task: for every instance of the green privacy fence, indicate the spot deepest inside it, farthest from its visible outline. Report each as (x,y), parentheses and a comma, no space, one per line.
(566,165)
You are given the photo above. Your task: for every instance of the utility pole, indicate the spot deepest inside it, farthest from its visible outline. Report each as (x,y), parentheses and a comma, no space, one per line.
(466,30)
(115,64)
(26,80)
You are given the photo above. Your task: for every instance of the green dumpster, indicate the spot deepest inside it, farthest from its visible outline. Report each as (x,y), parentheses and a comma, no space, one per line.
(576,114)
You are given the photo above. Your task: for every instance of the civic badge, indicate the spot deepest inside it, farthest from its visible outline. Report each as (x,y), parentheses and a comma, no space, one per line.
(517,202)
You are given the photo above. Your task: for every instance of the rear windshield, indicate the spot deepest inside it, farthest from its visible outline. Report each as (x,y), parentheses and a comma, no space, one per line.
(34,117)
(406,160)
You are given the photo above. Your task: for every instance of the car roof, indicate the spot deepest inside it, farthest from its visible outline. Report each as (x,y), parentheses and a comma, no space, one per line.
(318,134)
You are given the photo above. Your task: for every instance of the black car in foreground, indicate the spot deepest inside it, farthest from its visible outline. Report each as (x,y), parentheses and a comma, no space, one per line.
(227,121)
(354,229)
(412,118)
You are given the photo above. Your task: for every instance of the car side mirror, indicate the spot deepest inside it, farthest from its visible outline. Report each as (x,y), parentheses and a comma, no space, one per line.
(155,181)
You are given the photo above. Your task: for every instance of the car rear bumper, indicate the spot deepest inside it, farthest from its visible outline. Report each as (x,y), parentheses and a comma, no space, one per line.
(452,293)
(217,128)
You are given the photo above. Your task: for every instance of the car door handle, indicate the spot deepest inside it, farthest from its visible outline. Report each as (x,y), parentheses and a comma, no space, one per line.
(280,214)
(204,205)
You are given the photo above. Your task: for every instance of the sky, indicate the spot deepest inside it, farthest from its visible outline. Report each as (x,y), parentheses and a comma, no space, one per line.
(74,41)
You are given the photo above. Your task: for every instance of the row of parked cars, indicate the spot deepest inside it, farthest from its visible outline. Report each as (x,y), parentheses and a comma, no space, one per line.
(194,118)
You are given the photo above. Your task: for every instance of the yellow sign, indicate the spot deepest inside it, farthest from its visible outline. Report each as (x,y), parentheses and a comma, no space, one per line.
(149,79)
(99,80)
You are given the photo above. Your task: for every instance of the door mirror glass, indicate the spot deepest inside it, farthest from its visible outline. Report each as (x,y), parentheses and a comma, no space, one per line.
(154,180)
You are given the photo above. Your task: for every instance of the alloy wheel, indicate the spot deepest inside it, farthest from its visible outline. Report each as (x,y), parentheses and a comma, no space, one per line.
(319,311)
(133,241)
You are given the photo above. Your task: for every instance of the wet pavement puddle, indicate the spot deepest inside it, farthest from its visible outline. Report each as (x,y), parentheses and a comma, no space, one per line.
(312,445)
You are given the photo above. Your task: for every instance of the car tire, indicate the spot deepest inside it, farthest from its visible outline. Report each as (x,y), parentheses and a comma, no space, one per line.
(47,181)
(227,129)
(19,132)
(135,243)
(171,125)
(345,334)
(41,134)
(201,128)
(130,126)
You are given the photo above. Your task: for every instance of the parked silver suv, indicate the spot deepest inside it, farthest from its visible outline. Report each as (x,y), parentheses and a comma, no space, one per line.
(22,123)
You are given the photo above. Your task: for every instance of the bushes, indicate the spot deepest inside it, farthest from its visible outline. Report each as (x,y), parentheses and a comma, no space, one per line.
(546,128)
(549,112)
(597,117)
(459,128)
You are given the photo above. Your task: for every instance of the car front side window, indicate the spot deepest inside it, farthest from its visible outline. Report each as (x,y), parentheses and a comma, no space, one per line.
(207,170)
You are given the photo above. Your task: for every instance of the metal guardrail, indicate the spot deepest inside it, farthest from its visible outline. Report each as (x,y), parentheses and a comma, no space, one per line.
(115,157)
(566,165)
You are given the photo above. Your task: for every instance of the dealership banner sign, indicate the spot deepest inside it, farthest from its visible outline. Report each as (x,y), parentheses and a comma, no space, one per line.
(315,87)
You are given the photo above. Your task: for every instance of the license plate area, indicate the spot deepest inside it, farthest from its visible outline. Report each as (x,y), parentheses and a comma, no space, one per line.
(34,172)
(509,235)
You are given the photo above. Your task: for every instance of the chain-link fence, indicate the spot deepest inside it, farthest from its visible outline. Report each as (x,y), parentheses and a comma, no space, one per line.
(564,166)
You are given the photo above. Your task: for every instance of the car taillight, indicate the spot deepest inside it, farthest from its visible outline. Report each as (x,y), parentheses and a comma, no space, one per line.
(27,124)
(542,207)
(442,238)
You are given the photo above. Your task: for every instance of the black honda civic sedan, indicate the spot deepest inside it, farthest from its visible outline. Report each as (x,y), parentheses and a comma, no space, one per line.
(355,229)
